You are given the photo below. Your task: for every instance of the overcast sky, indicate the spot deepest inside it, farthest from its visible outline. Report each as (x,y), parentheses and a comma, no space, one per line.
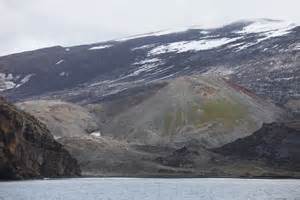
(32,24)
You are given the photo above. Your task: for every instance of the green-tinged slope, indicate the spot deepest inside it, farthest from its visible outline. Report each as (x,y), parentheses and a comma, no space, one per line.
(207,109)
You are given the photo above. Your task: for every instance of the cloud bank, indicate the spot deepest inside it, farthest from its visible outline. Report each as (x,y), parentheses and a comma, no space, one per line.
(32,24)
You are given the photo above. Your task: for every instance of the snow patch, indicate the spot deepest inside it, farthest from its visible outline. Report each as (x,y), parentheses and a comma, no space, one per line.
(277,67)
(25,80)
(158,33)
(204,32)
(163,70)
(170,31)
(186,46)
(236,45)
(59,62)
(64,74)
(166,32)
(284,79)
(144,68)
(148,61)
(144,47)
(8,81)
(101,83)
(96,134)
(6,76)
(268,28)
(67,49)
(6,85)
(245,46)
(164,77)
(100,47)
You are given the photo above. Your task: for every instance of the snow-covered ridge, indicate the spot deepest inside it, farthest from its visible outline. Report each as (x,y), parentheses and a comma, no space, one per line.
(272,27)
(158,33)
(264,28)
(268,28)
(164,32)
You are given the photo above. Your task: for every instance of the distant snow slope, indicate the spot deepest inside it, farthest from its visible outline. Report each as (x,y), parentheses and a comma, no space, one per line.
(184,46)
(261,55)
(269,28)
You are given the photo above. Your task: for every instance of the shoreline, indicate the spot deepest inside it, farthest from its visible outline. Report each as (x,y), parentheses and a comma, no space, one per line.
(156,177)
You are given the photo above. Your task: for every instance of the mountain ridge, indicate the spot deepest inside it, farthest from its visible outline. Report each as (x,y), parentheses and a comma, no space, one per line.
(261,56)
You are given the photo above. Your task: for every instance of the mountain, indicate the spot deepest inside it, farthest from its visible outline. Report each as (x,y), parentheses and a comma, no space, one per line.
(260,55)
(164,129)
(28,150)
(207,109)
(167,103)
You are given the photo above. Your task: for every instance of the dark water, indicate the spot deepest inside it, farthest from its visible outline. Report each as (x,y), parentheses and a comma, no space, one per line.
(150,189)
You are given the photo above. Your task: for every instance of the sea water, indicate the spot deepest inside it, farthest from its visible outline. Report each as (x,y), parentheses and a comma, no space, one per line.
(151,189)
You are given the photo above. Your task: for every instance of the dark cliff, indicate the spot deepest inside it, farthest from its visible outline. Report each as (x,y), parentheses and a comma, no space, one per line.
(277,144)
(28,150)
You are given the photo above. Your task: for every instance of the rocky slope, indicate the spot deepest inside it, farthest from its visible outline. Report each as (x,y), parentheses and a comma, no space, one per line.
(261,55)
(169,128)
(207,109)
(103,156)
(276,144)
(28,150)
(62,119)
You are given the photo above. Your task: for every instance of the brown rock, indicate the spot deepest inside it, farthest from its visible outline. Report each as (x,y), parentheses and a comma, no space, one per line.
(28,150)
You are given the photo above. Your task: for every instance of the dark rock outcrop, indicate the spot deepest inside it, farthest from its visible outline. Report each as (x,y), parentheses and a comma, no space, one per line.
(104,156)
(28,150)
(277,144)
(182,157)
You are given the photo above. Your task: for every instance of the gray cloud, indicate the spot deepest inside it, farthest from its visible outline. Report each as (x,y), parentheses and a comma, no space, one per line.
(31,24)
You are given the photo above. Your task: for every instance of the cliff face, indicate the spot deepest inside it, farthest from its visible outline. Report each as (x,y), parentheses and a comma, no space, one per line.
(28,150)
